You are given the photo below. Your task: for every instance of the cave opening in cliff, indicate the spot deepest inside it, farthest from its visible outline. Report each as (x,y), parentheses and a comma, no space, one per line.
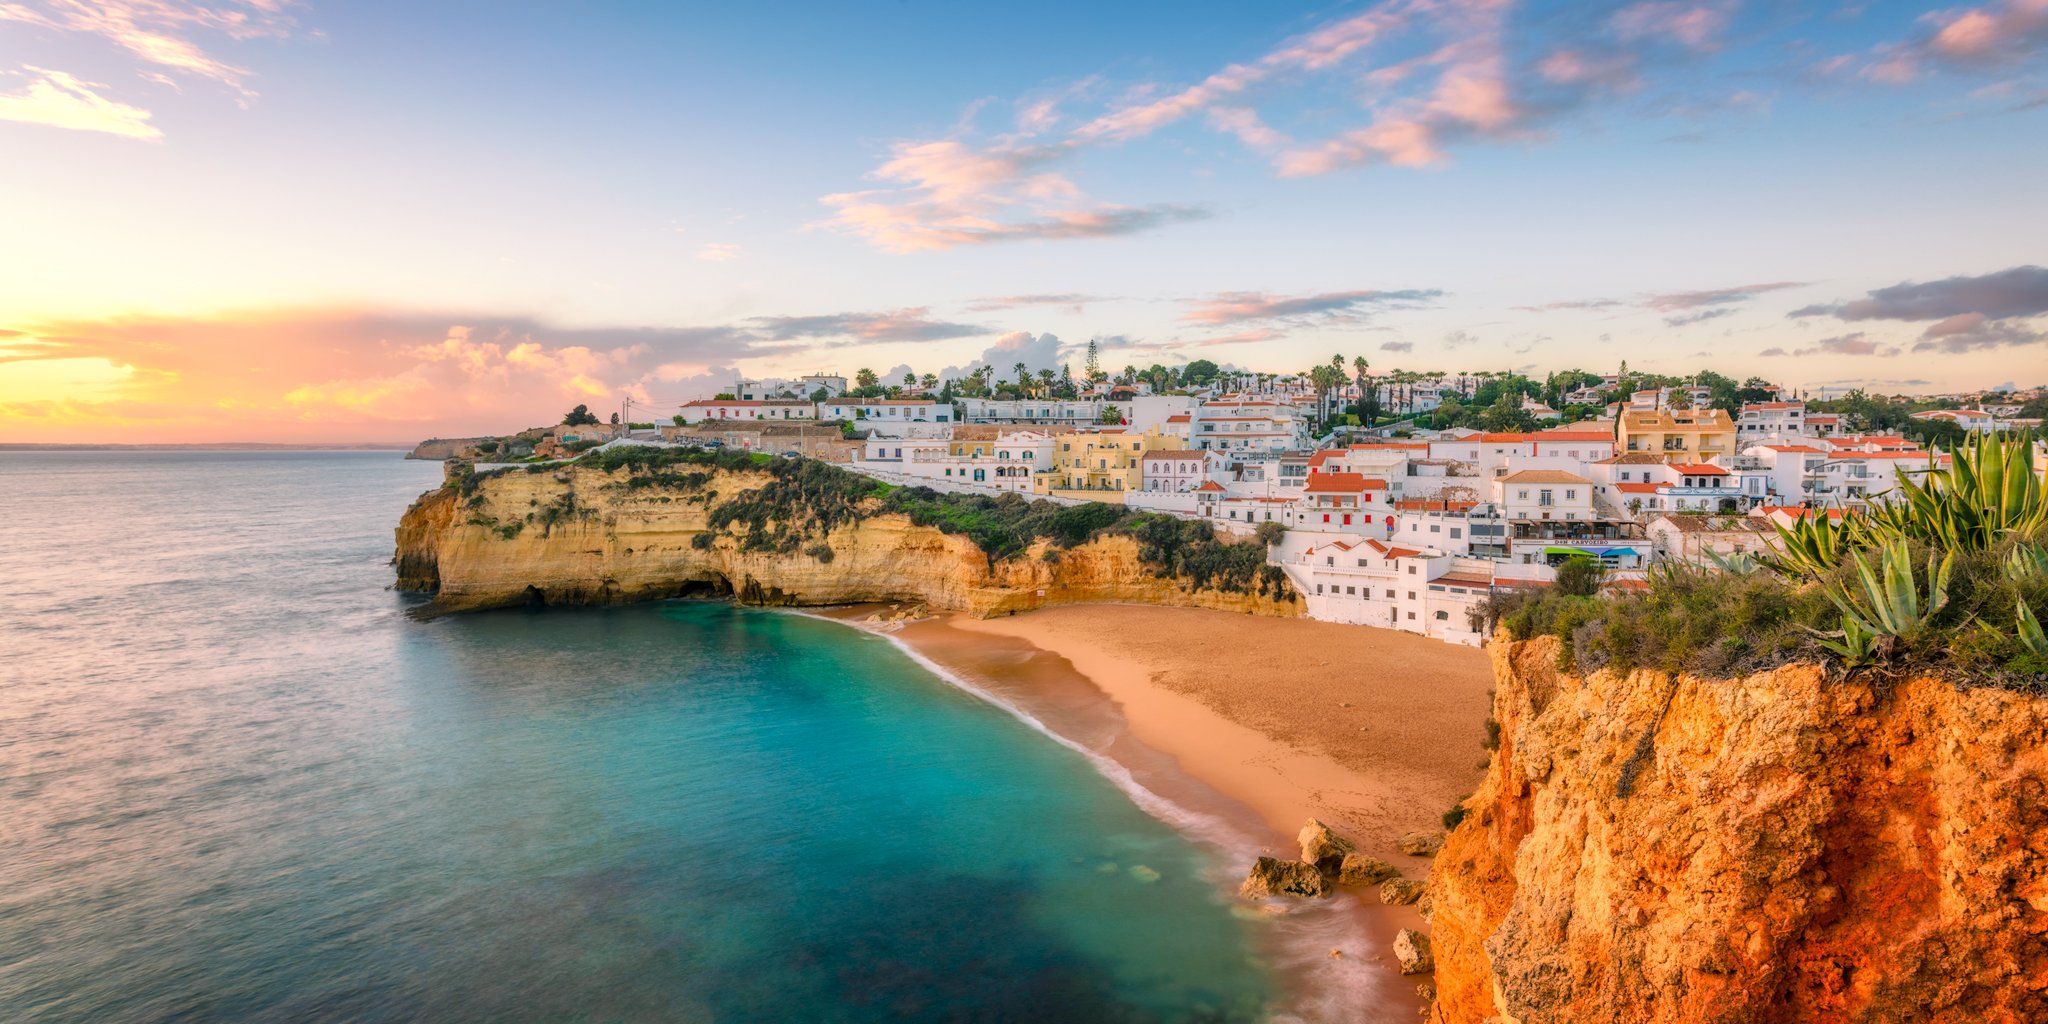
(717,588)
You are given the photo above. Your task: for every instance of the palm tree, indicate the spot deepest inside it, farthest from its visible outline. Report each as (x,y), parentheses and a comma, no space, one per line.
(1368,403)
(1023,376)
(1045,381)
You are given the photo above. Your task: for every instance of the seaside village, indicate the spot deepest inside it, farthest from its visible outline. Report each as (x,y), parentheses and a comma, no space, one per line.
(1396,527)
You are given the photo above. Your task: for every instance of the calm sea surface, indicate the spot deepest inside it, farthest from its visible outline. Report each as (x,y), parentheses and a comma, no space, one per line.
(238,784)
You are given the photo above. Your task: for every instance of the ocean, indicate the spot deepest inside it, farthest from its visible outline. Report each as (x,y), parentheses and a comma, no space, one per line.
(239,783)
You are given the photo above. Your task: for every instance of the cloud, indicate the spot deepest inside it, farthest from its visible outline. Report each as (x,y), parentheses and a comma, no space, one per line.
(1326,307)
(1969,332)
(911,324)
(948,194)
(61,101)
(1695,26)
(1693,318)
(160,32)
(1035,351)
(1856,344)
(1460,339)
(1397,346)
(320,374)
(1984,311)
(1586,304)
(1072,301)
(1977,39)
(718,252)
(2014,292)
(1676,301)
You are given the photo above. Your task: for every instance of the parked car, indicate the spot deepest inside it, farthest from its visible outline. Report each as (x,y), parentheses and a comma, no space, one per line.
(792,455)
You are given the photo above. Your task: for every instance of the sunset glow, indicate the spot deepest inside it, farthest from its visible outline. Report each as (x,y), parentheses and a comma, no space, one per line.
(300,221)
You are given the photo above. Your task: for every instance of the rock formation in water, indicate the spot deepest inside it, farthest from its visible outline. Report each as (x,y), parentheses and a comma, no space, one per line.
(1271,876)
(574,534)
(1788,847)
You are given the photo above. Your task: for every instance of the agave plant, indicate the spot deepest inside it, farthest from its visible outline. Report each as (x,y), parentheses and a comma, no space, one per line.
(1851,643)
(1813,546)
(2026,561)
(1988,490)
(2031,636)
(1735,563)
(1889,603)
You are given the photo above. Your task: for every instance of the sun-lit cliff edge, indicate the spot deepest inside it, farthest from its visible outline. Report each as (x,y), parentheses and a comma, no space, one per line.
(1789,846)
(581,534)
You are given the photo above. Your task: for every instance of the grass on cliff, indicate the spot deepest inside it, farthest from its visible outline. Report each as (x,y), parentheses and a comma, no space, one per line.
(1952,580)
(804,500)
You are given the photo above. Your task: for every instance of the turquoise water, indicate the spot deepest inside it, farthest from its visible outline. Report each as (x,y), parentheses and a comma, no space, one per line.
(238,784)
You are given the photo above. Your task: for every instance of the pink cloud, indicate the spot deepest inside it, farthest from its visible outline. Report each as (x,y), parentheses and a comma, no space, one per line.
(1696,26)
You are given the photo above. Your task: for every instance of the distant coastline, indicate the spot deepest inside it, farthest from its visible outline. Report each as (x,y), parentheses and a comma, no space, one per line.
(219,446)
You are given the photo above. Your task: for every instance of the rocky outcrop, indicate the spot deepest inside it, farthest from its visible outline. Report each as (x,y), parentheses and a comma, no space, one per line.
(1422,844)
(1786,847)
(1323,848)
(1272,876)
(1400,892)
(1360,869)
(1411,950)
(576,535)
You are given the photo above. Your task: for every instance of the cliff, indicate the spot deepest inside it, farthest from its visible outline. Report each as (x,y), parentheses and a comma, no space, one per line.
(1785,847)
(574,535)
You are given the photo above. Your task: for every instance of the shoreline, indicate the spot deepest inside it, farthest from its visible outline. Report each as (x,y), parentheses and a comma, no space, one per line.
(1234,779)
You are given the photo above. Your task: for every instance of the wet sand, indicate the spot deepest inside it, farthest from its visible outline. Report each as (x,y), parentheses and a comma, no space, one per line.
(1237,729)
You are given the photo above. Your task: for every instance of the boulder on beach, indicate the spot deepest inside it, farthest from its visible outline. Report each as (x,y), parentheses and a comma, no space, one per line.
(1400,892)
(1411,948)
(1322,847)
(1422,844)
(1272,876)
(1361,869)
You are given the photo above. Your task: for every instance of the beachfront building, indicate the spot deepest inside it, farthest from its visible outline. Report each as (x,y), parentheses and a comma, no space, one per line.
(1680,435)
(1363,581)
(976,460)
(778,410)
(1342,502)
(1700,539)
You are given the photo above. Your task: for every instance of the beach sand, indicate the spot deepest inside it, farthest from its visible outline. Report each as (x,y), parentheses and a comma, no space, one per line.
(1256,723)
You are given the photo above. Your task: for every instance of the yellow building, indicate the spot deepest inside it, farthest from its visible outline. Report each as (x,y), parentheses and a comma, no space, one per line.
(1100,466)
(1679,435)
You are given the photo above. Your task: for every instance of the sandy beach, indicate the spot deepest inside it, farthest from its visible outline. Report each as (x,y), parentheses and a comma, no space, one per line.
(1259,723)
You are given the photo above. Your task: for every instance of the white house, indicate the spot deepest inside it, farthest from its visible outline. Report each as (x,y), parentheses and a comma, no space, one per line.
(1177,470)
(747,410)
(1358,580)
(1542,494)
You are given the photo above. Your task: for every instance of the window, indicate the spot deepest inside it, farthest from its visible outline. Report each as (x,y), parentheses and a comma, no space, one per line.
(1521,495)
(1435,528)
(1390,595)
(1351,590)
(1411,597)
(1455,533)
(1411,616)
(1442,616)
(1411,572)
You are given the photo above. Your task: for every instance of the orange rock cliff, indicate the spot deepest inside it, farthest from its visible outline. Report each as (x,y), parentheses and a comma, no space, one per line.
(1787,847)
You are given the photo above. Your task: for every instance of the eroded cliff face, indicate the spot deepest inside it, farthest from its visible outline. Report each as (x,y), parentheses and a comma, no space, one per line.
(1783,848)
(595,539)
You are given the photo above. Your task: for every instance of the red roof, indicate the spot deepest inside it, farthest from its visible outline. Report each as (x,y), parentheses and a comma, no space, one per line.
(1505,438)
(1794,448)
(1433,505)
(1638,488)
(1699,469)
(1469,581)
(1343,483)
(1574,435)
(1210,485)
(721,401)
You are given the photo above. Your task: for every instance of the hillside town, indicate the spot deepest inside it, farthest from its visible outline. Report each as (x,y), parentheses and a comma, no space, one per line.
(1378,512)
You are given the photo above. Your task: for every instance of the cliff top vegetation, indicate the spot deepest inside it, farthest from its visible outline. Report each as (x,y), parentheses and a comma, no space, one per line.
(1950,579)
(803,500)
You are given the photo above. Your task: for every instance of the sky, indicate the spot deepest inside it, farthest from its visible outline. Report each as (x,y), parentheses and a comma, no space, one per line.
(271,220)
